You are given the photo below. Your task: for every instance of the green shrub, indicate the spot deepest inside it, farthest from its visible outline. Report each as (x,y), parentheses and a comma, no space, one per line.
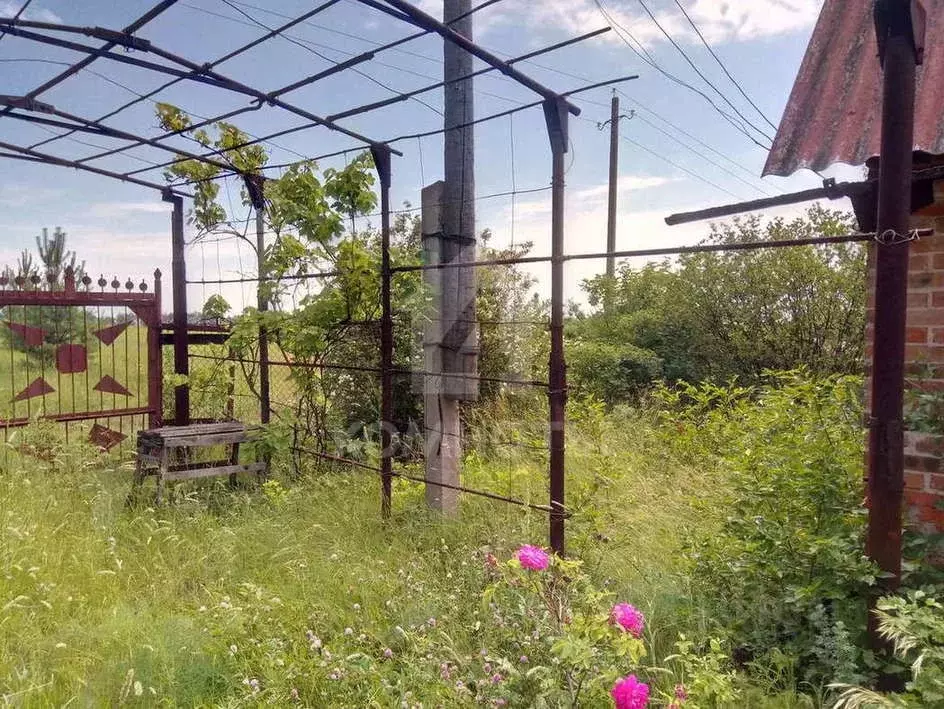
(783,568)
(610,372)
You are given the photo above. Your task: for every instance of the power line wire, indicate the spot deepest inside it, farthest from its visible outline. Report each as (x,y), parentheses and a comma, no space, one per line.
(644,55)
(724,68)
(698,71)
(664,159)
(322,56)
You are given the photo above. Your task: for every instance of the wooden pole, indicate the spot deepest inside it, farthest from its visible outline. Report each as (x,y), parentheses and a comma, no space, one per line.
(614,186)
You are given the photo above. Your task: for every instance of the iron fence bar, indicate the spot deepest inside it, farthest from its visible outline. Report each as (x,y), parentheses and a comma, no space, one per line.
(413,478)
(37,156)
(341,66)
(198,74)
(81,64)
(172,82)
(382,163)
(76,417)
(440,131)
(431,24)
(375,370)
(668,251)
(440,84)
(368,107)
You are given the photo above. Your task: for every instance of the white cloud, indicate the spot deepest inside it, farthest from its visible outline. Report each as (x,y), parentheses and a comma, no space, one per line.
(39,14)
(18,195)
(719,20)
(626,183)
(105,210)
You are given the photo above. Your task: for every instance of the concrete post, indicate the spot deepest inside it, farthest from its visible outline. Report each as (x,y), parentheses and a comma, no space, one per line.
(441,412)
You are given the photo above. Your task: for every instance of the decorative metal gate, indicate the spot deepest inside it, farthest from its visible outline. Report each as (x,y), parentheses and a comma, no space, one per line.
(84,354)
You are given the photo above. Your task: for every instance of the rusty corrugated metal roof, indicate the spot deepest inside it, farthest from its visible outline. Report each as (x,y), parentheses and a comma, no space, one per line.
(834,111)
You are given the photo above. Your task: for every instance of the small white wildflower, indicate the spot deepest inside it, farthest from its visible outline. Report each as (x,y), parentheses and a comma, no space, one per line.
(349,631)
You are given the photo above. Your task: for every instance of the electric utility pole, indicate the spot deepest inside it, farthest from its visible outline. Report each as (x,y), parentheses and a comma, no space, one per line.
(451,340)
(615,116)
(614,187)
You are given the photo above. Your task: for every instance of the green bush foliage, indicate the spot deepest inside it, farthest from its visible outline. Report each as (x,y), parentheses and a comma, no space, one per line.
(782,567)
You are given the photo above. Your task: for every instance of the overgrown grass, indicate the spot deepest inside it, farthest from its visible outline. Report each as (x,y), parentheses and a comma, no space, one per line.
(207,601)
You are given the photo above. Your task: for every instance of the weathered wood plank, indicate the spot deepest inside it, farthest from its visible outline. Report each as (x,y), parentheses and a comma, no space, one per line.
(205,440)
(213,472)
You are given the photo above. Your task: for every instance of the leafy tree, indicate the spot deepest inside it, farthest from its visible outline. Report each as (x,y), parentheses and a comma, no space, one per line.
(215,308)
(730,314)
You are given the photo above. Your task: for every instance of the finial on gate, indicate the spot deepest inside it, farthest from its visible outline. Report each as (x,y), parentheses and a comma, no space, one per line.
(70,279)
(115,283)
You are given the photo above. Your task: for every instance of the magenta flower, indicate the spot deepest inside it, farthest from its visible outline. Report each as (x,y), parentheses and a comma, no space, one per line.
(680,692)
(628,618)
(533,558)
(630,693)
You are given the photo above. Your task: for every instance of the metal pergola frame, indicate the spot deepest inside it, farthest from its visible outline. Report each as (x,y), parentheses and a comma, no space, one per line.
(116,47)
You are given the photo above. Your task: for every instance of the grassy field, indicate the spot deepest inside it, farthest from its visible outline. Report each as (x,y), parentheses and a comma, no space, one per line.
(99,600)
(218,598)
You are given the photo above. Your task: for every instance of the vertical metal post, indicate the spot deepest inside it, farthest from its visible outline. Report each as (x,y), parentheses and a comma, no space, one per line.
(381,155)
(262,298)
(886,456)
(555,115)
(181,335)
(155,366)
(614,186)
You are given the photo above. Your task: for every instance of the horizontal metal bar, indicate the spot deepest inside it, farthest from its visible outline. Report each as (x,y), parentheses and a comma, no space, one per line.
(118,37)
(828,191)
(144,19)
(669,251)
(86,125)
(108,54)
(416,92)
(226,57)
(80,298)
(79,416)
(431,24)
(197,73)
(412,136)
(53,160)
(375,370)
(413,478)
(199,338)
(838,191)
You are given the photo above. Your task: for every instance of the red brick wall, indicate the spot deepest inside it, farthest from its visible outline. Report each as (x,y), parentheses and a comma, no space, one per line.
(924,362)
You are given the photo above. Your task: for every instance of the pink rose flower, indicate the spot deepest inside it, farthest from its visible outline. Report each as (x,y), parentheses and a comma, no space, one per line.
(628,618)
(533,558)
(630,693)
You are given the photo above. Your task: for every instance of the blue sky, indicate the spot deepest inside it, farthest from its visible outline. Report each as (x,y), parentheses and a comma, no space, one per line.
(123,229)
